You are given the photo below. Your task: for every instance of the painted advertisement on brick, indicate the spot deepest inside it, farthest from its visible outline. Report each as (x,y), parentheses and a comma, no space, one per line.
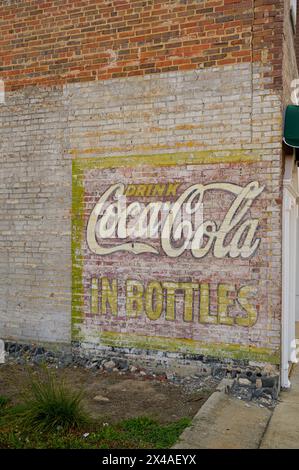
(168,254)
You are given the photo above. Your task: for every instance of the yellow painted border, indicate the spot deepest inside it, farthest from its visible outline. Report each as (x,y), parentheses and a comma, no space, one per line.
(204,157)
(189,346)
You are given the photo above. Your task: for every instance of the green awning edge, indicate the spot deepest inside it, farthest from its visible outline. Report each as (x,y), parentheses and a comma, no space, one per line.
(291,126)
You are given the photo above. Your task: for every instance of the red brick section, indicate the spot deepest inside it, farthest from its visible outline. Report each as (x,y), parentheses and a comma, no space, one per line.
(297,35)
(267,36)
(57,41)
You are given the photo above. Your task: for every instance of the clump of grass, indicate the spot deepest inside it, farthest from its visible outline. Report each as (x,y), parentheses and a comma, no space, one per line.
(146,430)
(3,401)
(134,433)
(50,406)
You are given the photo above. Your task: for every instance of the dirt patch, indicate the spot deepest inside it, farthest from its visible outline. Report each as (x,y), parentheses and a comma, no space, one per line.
(113,396)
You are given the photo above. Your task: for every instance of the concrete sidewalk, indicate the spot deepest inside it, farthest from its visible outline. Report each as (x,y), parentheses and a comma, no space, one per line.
(224,422)
(283,429)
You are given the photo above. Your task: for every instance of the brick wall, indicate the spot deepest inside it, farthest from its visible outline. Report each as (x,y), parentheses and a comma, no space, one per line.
(57,41)
(290,67)
(215,99)
(297,36)
(221,110)
(35,206)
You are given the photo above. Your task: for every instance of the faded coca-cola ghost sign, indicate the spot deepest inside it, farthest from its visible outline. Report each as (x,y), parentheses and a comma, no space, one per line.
(171,253)
(182,219)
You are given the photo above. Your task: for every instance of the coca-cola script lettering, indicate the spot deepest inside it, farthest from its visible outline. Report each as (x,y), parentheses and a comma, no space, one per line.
(234,236)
